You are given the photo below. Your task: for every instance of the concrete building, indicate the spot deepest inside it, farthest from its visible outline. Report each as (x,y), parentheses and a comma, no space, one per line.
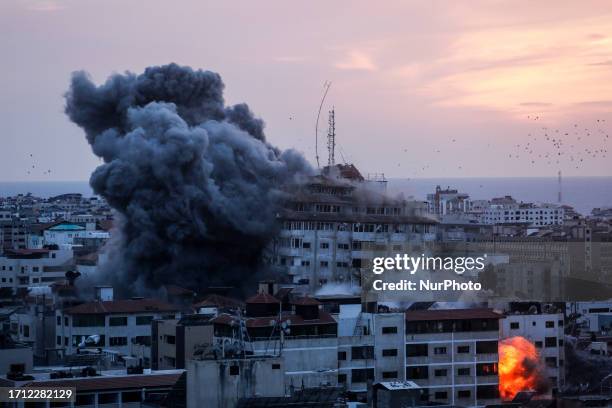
(331,228)
(15,357)
(534,215)
(23,268)
(221,383)
(114,388)
(546,331)
(448,201)
(116,325)
(453,355)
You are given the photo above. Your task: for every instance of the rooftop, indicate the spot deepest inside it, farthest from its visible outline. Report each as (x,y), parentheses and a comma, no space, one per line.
(262,298)
(451,314)
(122,306)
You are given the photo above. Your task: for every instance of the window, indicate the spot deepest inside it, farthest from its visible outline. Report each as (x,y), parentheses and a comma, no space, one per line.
(560,323)
(441,395)
(550,324)
(560,342)
(362,352)
(342,378)
(26,330)
(143,320)
(66,321)
(324,264)
(487,392)
(276,366)
(416,350)
(463,349)
(417,373)
(441,372)
(486,347)
(550,342)
(463,371)
(58,340)
(538,344)
(361,375)
(234,370)
(117,341)
(88,321)
(342,355)
(389,374)
(324,245)
(463,394)
(306,245)
(514,326)
(389,352)
(439,350)
(170,339)
(551,362)
(117,321)
(389,330)
(58,320)
(483,369)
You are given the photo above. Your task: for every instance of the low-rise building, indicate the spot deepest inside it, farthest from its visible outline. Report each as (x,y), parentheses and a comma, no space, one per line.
(111,325)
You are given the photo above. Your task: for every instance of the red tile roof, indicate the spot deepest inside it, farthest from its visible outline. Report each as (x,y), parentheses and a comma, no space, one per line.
(219,301)
(306,301)
(262,298)
(122,306)
(111,382)
(451,314)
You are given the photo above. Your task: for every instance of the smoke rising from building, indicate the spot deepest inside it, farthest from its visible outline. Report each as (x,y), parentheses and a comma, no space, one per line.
(195,183)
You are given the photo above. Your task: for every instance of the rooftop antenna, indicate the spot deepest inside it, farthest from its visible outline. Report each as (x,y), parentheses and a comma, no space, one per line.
(331,139)
(326,87)
(559,194)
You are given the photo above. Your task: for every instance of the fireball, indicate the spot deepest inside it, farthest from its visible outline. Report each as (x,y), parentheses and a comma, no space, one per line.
(519,367)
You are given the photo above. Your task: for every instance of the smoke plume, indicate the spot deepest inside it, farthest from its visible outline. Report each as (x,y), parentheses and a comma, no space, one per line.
(195,183)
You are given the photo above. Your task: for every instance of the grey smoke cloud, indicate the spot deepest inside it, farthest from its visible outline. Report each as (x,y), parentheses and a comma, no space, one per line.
(195,182)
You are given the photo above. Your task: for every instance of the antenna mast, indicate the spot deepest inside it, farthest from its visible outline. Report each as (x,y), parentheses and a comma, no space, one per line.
(326,86)
(331,139)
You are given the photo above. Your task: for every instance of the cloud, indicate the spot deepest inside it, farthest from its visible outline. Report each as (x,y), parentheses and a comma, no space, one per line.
(356,61)
(44,6)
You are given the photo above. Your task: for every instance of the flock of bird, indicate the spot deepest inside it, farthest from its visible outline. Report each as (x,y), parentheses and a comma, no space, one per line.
(32,168)
(575,145)
(552,146)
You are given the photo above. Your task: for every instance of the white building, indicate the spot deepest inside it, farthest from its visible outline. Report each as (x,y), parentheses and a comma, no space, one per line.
(114,325)
(65,233)
(546,332)
(450,354)
(331,231)
(25,268)
(531,214)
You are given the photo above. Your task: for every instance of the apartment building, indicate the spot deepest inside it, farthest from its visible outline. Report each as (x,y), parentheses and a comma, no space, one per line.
(534,215)
(23,268)
(331,229)
(453,355)
(116,325)
(447,202)
(546,331)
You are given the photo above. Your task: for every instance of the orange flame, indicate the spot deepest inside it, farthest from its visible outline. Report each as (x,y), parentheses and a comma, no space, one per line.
(519,367)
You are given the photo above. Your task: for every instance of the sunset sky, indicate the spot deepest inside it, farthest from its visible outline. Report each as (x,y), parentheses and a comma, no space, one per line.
(420,88)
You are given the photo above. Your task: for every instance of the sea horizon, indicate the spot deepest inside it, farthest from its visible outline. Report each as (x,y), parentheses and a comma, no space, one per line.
(581,192)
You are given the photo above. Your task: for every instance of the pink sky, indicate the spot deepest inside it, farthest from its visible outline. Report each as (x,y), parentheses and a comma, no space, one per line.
(408,78)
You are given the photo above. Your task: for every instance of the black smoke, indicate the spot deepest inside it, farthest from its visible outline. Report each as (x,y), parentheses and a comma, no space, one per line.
(195,183)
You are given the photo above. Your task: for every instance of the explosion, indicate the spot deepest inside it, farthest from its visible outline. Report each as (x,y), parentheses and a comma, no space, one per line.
(520,368)
(194,182)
